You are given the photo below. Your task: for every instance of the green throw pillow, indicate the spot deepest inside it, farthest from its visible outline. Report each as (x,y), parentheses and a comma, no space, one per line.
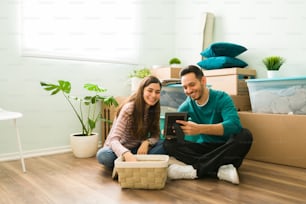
(221,62)
(223,49)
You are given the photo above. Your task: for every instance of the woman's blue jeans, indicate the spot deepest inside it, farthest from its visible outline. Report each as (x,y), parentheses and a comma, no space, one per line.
(106,156)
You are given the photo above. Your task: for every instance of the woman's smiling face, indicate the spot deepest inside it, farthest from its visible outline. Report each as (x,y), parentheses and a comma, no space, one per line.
(151,94)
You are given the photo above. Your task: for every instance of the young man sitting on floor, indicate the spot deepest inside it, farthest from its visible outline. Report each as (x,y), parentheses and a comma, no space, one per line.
(212,142)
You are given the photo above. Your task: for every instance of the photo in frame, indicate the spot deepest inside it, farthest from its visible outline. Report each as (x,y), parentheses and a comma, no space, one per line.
(170,118)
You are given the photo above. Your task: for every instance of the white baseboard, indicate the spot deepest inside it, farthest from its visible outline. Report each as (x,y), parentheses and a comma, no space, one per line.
(35,153)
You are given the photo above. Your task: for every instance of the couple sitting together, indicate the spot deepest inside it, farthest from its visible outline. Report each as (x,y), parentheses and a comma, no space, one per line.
(216,144)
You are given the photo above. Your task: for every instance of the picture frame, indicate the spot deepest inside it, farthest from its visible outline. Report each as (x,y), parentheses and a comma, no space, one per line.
(170,118)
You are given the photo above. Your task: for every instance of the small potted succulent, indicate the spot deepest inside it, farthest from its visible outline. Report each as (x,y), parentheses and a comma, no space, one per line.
(137,75)
(273,64)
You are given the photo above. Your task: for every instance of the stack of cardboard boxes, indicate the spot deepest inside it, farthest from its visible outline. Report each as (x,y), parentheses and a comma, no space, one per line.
(277,120)
(233,82)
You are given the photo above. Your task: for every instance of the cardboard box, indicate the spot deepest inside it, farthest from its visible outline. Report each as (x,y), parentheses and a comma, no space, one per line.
(277,138)
(230,80)
(166,72)
(242,103)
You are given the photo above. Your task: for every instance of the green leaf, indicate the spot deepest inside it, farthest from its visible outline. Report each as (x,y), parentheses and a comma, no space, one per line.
(95,88)
(92,123)
(43,83)
(109,101)
(55,91)
(51,87)
(94,100)
(65,86)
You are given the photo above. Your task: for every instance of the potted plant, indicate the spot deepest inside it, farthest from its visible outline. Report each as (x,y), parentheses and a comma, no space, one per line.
(137,75)
(175,62)
(273,64)
(85,143)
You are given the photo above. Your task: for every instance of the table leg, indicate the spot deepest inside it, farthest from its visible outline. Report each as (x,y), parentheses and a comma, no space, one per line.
(19,146)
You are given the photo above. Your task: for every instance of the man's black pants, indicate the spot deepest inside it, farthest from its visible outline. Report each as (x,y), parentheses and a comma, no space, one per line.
(206,158)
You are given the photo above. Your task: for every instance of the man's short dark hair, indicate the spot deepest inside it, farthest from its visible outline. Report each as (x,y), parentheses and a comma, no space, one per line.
(192,69)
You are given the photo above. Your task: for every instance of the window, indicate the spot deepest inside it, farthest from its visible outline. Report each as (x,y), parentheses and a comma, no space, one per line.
(103,30)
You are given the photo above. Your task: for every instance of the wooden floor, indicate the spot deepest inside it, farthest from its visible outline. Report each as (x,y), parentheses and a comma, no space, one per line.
(63,179)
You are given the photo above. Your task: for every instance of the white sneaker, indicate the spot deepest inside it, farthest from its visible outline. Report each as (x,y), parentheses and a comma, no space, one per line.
(176,171)
(228,173)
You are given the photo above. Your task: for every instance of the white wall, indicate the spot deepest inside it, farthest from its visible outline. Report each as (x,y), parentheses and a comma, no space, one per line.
(267,27)
(170,28)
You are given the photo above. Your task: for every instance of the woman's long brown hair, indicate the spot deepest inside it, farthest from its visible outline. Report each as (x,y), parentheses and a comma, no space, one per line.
(138,129)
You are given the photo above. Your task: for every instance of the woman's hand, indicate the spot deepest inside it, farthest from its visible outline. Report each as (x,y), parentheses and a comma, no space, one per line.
(129,157)
(144,147)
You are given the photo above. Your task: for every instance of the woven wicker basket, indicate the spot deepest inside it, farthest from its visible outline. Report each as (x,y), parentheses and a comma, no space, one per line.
(149,172)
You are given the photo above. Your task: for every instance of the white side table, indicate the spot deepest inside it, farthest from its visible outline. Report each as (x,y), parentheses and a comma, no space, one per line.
(7,115)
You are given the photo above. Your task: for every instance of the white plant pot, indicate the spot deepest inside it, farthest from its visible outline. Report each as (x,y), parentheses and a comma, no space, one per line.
(273,74)
(175,65)
(135,81)
(84,146)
